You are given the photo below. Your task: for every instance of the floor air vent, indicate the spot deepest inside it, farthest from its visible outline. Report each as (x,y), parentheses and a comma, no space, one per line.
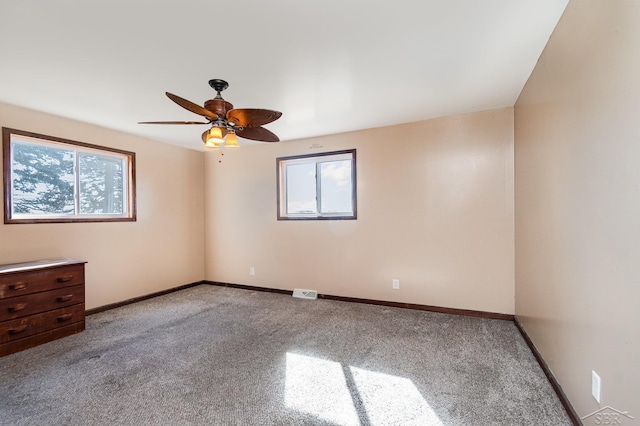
(305,294)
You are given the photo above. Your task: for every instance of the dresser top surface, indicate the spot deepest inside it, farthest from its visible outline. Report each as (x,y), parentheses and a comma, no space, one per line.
(38,264)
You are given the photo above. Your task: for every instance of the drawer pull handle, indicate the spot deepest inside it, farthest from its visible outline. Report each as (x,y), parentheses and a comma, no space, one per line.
(18,286)
(65,298)
(65,317)
(17,307)
(18,329)
(65,278)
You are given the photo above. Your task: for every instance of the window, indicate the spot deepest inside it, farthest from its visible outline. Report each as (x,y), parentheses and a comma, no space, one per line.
(49,180)
(317,186)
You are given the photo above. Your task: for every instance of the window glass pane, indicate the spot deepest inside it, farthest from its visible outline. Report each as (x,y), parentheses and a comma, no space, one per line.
(301,188)
(101,184)
(336,187)
(42,180)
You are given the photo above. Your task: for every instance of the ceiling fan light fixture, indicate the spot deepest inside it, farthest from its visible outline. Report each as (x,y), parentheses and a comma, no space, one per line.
(231,140)
(211,144)
(214,138)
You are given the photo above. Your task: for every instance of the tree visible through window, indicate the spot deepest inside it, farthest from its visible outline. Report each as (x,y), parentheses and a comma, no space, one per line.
(101,184)
(42,179)
(317,186)
(54,180)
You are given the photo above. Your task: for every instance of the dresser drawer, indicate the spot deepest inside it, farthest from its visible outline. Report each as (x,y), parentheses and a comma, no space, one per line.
(40,338)
(34,324)
(20,283)
(22,306)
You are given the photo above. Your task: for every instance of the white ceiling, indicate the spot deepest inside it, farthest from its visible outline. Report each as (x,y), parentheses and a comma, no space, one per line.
(330,66)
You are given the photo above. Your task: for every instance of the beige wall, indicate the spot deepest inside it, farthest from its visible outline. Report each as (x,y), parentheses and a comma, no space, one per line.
(162,249)
(435,210)
(577,136)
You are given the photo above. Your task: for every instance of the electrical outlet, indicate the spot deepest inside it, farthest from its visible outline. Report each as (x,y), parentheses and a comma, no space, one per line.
(396,284)
(252,271)
(595,386)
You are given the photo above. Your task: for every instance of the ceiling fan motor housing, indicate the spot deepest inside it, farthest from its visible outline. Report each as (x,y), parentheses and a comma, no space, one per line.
(219,106)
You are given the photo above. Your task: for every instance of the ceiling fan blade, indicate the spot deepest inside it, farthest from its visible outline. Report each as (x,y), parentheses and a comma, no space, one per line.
(172,122)
(191,106)
(251,117)
(258,134)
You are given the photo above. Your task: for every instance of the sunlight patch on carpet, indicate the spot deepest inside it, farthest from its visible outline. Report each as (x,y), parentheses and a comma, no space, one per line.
(318,387)
(392,400)
(322,388)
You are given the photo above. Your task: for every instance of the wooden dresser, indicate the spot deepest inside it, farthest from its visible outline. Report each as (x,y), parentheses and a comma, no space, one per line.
(39,302)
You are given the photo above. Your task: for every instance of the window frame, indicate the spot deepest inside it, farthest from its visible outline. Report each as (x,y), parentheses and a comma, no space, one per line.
(281,186)
(130,214)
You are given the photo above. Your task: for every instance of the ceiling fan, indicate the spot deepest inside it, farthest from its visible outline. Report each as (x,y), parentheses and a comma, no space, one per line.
(226,122)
